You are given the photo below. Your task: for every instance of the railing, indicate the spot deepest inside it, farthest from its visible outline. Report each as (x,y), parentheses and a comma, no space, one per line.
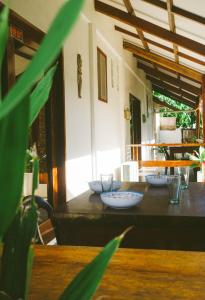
(133,154)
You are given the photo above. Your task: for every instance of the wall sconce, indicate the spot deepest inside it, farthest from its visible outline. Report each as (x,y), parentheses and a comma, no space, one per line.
(127,113)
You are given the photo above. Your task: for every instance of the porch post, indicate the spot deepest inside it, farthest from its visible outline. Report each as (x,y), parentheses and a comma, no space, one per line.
(198,123)
(203,105)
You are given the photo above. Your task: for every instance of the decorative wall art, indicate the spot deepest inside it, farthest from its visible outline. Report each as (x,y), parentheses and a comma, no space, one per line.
(79,75)
(102,75)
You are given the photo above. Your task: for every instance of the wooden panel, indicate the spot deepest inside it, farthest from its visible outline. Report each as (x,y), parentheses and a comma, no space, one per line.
(149,27)
(167,163)
(168,145)
(173,80)
(203,105)
(168,49)
(133,274)
(174,96)
(179,11)
(172,88)
(168,64)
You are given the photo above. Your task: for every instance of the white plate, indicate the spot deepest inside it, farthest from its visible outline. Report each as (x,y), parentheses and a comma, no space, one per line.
(121,199)
(156,180)
(96,186)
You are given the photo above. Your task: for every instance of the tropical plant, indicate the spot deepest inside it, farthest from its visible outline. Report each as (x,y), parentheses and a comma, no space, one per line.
(18,110)
(183,119)
(199,156)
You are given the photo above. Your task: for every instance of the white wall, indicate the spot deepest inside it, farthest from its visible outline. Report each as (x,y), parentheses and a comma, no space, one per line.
(96,132)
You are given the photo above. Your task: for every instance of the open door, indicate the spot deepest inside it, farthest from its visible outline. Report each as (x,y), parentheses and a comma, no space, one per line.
(135,126)
(48,131)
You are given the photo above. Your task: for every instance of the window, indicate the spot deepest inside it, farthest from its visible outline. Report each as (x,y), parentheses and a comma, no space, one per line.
(102,75)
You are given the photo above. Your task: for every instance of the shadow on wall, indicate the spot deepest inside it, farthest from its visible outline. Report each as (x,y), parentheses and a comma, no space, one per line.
(79,171)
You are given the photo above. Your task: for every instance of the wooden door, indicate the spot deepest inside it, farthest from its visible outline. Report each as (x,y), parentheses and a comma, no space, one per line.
(135,126)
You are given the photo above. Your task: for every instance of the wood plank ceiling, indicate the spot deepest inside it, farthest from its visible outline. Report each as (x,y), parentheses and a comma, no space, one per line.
(165,40)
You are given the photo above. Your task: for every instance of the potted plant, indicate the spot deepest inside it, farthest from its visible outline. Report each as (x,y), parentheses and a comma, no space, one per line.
(199,157)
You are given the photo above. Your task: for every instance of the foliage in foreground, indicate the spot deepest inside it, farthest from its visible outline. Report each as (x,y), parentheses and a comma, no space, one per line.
(18,110)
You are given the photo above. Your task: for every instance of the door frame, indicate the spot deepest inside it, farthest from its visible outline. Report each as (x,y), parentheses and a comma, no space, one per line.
(136,151)
(55,110)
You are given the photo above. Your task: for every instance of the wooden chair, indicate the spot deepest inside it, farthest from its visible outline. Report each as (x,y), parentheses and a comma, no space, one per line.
(45,229)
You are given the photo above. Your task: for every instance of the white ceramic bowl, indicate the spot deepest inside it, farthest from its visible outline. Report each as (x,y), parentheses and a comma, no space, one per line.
(123,199)
(156,180)
(96,186)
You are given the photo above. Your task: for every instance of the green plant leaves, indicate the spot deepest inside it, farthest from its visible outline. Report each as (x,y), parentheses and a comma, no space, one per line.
(3,36)
(17,253)
(40,94)
(46,54)
(13,144)
(86,282)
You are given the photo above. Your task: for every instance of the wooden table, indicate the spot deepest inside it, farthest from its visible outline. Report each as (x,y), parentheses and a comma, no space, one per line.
(158,225)
(133,274)
(181,150)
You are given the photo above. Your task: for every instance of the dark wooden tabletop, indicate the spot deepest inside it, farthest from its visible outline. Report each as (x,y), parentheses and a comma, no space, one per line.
(132,274)
(157,224)
(155,202)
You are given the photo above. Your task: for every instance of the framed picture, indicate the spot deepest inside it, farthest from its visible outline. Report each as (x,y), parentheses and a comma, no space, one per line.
(102,75)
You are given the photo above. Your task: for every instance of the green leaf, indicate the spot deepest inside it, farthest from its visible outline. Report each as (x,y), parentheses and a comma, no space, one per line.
(87,281)
(46,54)
(17,254)
(3,36)
(13,144)
(40,94)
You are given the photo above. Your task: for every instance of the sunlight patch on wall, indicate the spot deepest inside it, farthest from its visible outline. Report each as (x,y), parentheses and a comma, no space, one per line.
(78,174)
(109,161)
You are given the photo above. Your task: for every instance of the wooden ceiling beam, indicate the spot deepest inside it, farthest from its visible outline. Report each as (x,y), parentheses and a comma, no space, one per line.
(173,89)
(172,27)
(168,49)
(162,103)
(164,62)
(174,97)
(168,69)
(149,27)
(178,11)
(182,84)
(131,11)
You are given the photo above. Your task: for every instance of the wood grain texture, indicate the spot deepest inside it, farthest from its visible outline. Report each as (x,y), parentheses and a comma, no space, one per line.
(149,27)
(178,11)
(173,80)
(168,49)
(158,225)
(132,274)
(168,64)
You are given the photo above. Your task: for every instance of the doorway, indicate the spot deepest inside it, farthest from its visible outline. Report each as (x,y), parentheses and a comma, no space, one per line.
(135,126)
(48,130)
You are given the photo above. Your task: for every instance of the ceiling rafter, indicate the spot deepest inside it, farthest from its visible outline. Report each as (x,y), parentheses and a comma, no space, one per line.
(172,88)
(179,11)
(169,70)
(149,27)
(182,84)
(162,103)
(174,97)
(186,56)
(164,62)
(131,11)
(168,49)
(172,27)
